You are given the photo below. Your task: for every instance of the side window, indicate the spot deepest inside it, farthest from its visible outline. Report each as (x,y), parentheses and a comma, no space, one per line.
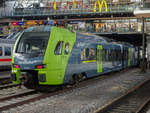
(1,51)
(88,54)
(125,54)
(92,54)
(85,54)
(7,51)
(67,48)
(58,49)
(104,55)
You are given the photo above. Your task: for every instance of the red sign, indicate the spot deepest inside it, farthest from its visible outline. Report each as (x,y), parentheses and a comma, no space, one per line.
(5,60)
(14,23)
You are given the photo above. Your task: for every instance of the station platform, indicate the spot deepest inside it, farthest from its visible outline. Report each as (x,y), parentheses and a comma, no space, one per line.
(88,99)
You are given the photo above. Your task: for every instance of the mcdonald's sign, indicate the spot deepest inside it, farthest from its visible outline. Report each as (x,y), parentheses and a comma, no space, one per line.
(74,4)
(55,6)
(100,5)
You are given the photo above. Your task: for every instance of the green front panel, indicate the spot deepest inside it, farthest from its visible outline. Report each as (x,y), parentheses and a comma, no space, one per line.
(129,60)
(17,72)
(14,70)
(56,64)
(99,58)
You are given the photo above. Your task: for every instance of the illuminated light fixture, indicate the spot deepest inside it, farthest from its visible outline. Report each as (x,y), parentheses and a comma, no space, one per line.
(142,13)
(48,19)
(16,66)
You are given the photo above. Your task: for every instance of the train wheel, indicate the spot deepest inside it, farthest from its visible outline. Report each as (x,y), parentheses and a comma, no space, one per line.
(82,77)
(72,80)
(76,78)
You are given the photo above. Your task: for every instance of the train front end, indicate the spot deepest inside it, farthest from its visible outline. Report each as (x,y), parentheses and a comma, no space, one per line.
(28,57)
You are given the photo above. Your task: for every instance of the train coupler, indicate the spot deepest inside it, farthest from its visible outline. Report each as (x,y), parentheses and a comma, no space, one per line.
(24,77)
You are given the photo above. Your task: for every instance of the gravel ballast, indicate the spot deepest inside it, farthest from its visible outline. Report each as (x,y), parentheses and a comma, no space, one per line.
(87,99)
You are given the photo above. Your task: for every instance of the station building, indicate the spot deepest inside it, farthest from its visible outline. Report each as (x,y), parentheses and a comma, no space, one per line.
(112,18)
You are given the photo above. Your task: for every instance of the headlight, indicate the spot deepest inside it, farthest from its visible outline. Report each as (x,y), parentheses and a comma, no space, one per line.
(40,66)
(16,66)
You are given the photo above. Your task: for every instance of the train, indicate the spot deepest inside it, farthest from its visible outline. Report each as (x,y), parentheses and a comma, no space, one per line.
(49,56)
(6,48)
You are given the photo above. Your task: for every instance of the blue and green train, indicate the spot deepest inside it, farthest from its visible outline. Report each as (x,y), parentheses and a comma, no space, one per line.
(48,56)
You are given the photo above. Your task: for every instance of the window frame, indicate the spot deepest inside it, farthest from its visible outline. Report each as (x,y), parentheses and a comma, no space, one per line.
(68,48)
(1,51)
(61,48)
(88,56)
(9,51)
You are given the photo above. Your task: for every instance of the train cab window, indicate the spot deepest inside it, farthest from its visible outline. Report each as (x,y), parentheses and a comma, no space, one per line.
(67,48)
(7,51)
(1,51)
(58,49)
(33,43)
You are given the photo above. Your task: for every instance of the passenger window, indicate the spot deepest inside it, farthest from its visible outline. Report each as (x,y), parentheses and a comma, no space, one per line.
(58,49)
(88,54)
(1,51)
(67,48)
(7,51)
(92,54)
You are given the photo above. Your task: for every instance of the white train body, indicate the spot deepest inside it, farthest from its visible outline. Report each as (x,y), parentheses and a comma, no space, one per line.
(6,47)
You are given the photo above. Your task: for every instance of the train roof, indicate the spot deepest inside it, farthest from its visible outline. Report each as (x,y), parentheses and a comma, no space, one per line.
(39,29)
(126,44)
(8,41)
(48,28)
(94,37)
(107,40)
(13,35)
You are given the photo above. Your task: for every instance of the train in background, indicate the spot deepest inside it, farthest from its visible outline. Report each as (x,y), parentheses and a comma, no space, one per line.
(6,47)
(47,57)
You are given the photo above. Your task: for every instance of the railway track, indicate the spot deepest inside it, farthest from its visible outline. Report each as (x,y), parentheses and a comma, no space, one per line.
(133,101)
(8,86)
(17,99)
(5,77)
(146,107)
(5,80)
(13,101)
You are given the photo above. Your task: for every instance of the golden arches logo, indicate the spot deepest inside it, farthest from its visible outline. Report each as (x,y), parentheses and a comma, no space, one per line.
(55,6)
(100,4)
(74,4)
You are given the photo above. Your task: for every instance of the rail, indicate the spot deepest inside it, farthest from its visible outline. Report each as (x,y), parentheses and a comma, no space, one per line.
(33,96)
(131,102)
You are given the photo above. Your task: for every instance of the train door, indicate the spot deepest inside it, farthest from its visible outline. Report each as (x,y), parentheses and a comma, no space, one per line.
(129,57)
(99,58)
(122,56)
